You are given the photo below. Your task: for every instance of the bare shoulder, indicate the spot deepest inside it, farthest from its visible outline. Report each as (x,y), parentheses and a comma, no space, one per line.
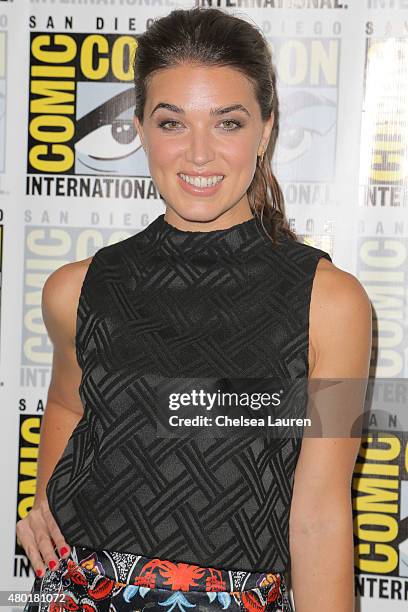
(337,291)
(340,315)
(60,298)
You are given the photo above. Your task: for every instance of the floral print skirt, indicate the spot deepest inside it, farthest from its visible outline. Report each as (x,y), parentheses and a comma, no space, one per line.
(108,581)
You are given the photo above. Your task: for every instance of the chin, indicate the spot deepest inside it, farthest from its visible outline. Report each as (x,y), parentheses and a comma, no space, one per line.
(197,211)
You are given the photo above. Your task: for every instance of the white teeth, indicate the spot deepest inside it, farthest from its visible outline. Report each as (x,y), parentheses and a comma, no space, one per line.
(201,181)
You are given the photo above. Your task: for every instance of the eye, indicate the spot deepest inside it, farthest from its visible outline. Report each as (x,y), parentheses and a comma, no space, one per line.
(237,124)
(162,124)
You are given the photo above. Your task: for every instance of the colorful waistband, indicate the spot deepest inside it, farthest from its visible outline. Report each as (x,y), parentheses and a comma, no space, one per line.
(105,580)
(138,570)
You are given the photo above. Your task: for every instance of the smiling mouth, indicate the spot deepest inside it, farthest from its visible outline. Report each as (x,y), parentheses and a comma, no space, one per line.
(201,181)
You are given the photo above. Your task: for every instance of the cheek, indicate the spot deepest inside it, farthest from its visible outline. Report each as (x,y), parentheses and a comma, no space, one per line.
(239,151)
(163,153)
(241,162)
(242,157)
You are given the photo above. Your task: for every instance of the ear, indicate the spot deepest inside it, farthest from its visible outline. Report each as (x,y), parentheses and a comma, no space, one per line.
(139,130)
(266,132)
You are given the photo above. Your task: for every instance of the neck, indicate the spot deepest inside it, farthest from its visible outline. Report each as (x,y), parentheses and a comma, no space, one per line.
(224,221)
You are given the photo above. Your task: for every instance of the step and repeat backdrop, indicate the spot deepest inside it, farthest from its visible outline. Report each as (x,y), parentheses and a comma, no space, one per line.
(342,163)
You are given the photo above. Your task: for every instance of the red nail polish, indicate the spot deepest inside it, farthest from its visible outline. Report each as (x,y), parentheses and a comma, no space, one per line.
(39,573)
(63,550)
(52,564)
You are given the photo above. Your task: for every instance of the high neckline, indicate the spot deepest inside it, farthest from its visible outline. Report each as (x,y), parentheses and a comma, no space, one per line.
(220,242)
(175,229)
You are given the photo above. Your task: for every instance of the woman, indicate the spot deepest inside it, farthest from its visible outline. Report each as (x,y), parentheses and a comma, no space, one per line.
(217,287)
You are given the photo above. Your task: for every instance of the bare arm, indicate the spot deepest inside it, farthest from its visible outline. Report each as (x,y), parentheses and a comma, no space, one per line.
(64,406)
(320,526)
(63,409)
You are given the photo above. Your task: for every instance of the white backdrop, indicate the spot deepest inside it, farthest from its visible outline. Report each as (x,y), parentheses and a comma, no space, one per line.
(341,161)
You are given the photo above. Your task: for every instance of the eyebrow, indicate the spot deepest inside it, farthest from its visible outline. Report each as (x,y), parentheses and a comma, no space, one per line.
(221,110)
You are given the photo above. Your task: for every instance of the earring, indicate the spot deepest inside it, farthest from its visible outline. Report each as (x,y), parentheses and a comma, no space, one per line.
(260,157)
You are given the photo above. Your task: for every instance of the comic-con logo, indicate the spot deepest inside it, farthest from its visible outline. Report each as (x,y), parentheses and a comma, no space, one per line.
(380,505)
(81,103)
(383,173)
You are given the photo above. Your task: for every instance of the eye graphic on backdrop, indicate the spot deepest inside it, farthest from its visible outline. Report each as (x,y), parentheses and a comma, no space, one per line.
(109,142)
(106,139)
(306,130)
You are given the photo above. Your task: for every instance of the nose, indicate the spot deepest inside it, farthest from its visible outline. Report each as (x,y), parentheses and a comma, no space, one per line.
(200,149)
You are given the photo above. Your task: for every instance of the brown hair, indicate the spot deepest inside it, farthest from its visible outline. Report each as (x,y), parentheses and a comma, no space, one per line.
(212,37)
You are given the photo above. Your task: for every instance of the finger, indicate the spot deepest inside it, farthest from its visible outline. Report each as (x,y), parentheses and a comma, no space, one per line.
(44,543)
(31,550)
(62,546)
(26,539)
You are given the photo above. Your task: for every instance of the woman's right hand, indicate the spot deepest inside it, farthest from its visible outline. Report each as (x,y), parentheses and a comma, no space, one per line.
(39,534)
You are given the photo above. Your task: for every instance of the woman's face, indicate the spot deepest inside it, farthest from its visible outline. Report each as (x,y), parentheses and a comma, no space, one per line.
(197,135)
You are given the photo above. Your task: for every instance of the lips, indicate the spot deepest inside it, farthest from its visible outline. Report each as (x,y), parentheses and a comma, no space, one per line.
(201,181)
(200,189)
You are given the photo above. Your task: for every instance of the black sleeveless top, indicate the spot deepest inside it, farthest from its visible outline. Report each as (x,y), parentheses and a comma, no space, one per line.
(173,303)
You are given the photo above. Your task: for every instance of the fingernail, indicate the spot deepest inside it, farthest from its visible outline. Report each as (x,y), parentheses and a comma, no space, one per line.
(39,572)
(63,550)
(52,564)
